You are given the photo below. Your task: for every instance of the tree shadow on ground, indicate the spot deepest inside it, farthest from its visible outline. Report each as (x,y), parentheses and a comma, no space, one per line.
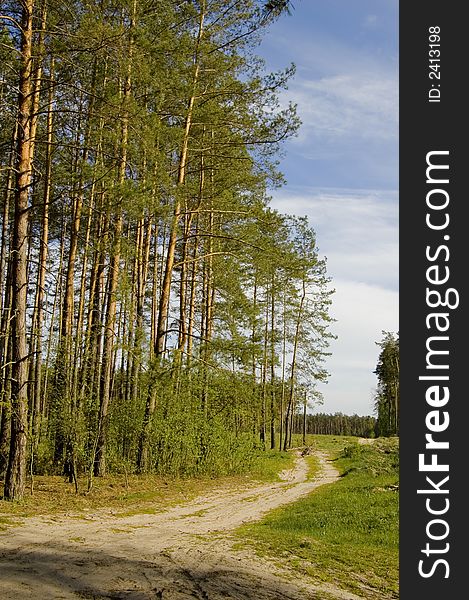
(58,571)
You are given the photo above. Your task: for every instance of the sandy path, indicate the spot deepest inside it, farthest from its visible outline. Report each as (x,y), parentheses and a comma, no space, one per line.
(182,553)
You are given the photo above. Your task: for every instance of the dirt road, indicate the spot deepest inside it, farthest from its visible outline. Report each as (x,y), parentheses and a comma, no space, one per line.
(182,553)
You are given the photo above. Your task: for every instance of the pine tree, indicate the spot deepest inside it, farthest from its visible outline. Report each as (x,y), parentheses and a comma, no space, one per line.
(387,397)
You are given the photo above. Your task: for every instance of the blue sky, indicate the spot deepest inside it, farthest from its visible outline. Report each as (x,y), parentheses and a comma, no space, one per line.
(342,171)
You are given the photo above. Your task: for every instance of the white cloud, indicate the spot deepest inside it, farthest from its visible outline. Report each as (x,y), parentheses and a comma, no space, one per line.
(356,230)
(362,311)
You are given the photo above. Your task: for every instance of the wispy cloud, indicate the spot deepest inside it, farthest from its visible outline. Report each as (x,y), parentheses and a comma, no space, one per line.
(356,230)
(343,89)
(320,53)
(362,106)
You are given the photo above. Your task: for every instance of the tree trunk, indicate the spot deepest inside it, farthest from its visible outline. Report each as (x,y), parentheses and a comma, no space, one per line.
(108,355)
(171,251)
(305,405)
(293,371)
(264,375)
(15,479)
(272,365)
(5,313)
(38,316)
(284,365)
(191,316)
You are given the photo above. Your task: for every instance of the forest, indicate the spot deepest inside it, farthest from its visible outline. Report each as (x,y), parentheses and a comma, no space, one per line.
(320,423)
(157,314)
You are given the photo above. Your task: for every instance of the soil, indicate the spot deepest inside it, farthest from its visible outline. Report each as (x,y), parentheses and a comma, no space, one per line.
(186,552)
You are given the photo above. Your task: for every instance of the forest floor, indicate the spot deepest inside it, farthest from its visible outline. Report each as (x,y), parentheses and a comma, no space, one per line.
(187,551)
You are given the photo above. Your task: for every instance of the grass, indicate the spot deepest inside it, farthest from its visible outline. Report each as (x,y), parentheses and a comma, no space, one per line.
(345,533)
(126,496)
(270,463)
(313,467)
(198,513)
(6,522)
(332,444)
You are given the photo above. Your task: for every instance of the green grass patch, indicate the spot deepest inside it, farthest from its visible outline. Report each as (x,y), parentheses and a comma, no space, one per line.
(313,467)
(269,464)
(121,529)
(333,445)
(198,513)
(345,533)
